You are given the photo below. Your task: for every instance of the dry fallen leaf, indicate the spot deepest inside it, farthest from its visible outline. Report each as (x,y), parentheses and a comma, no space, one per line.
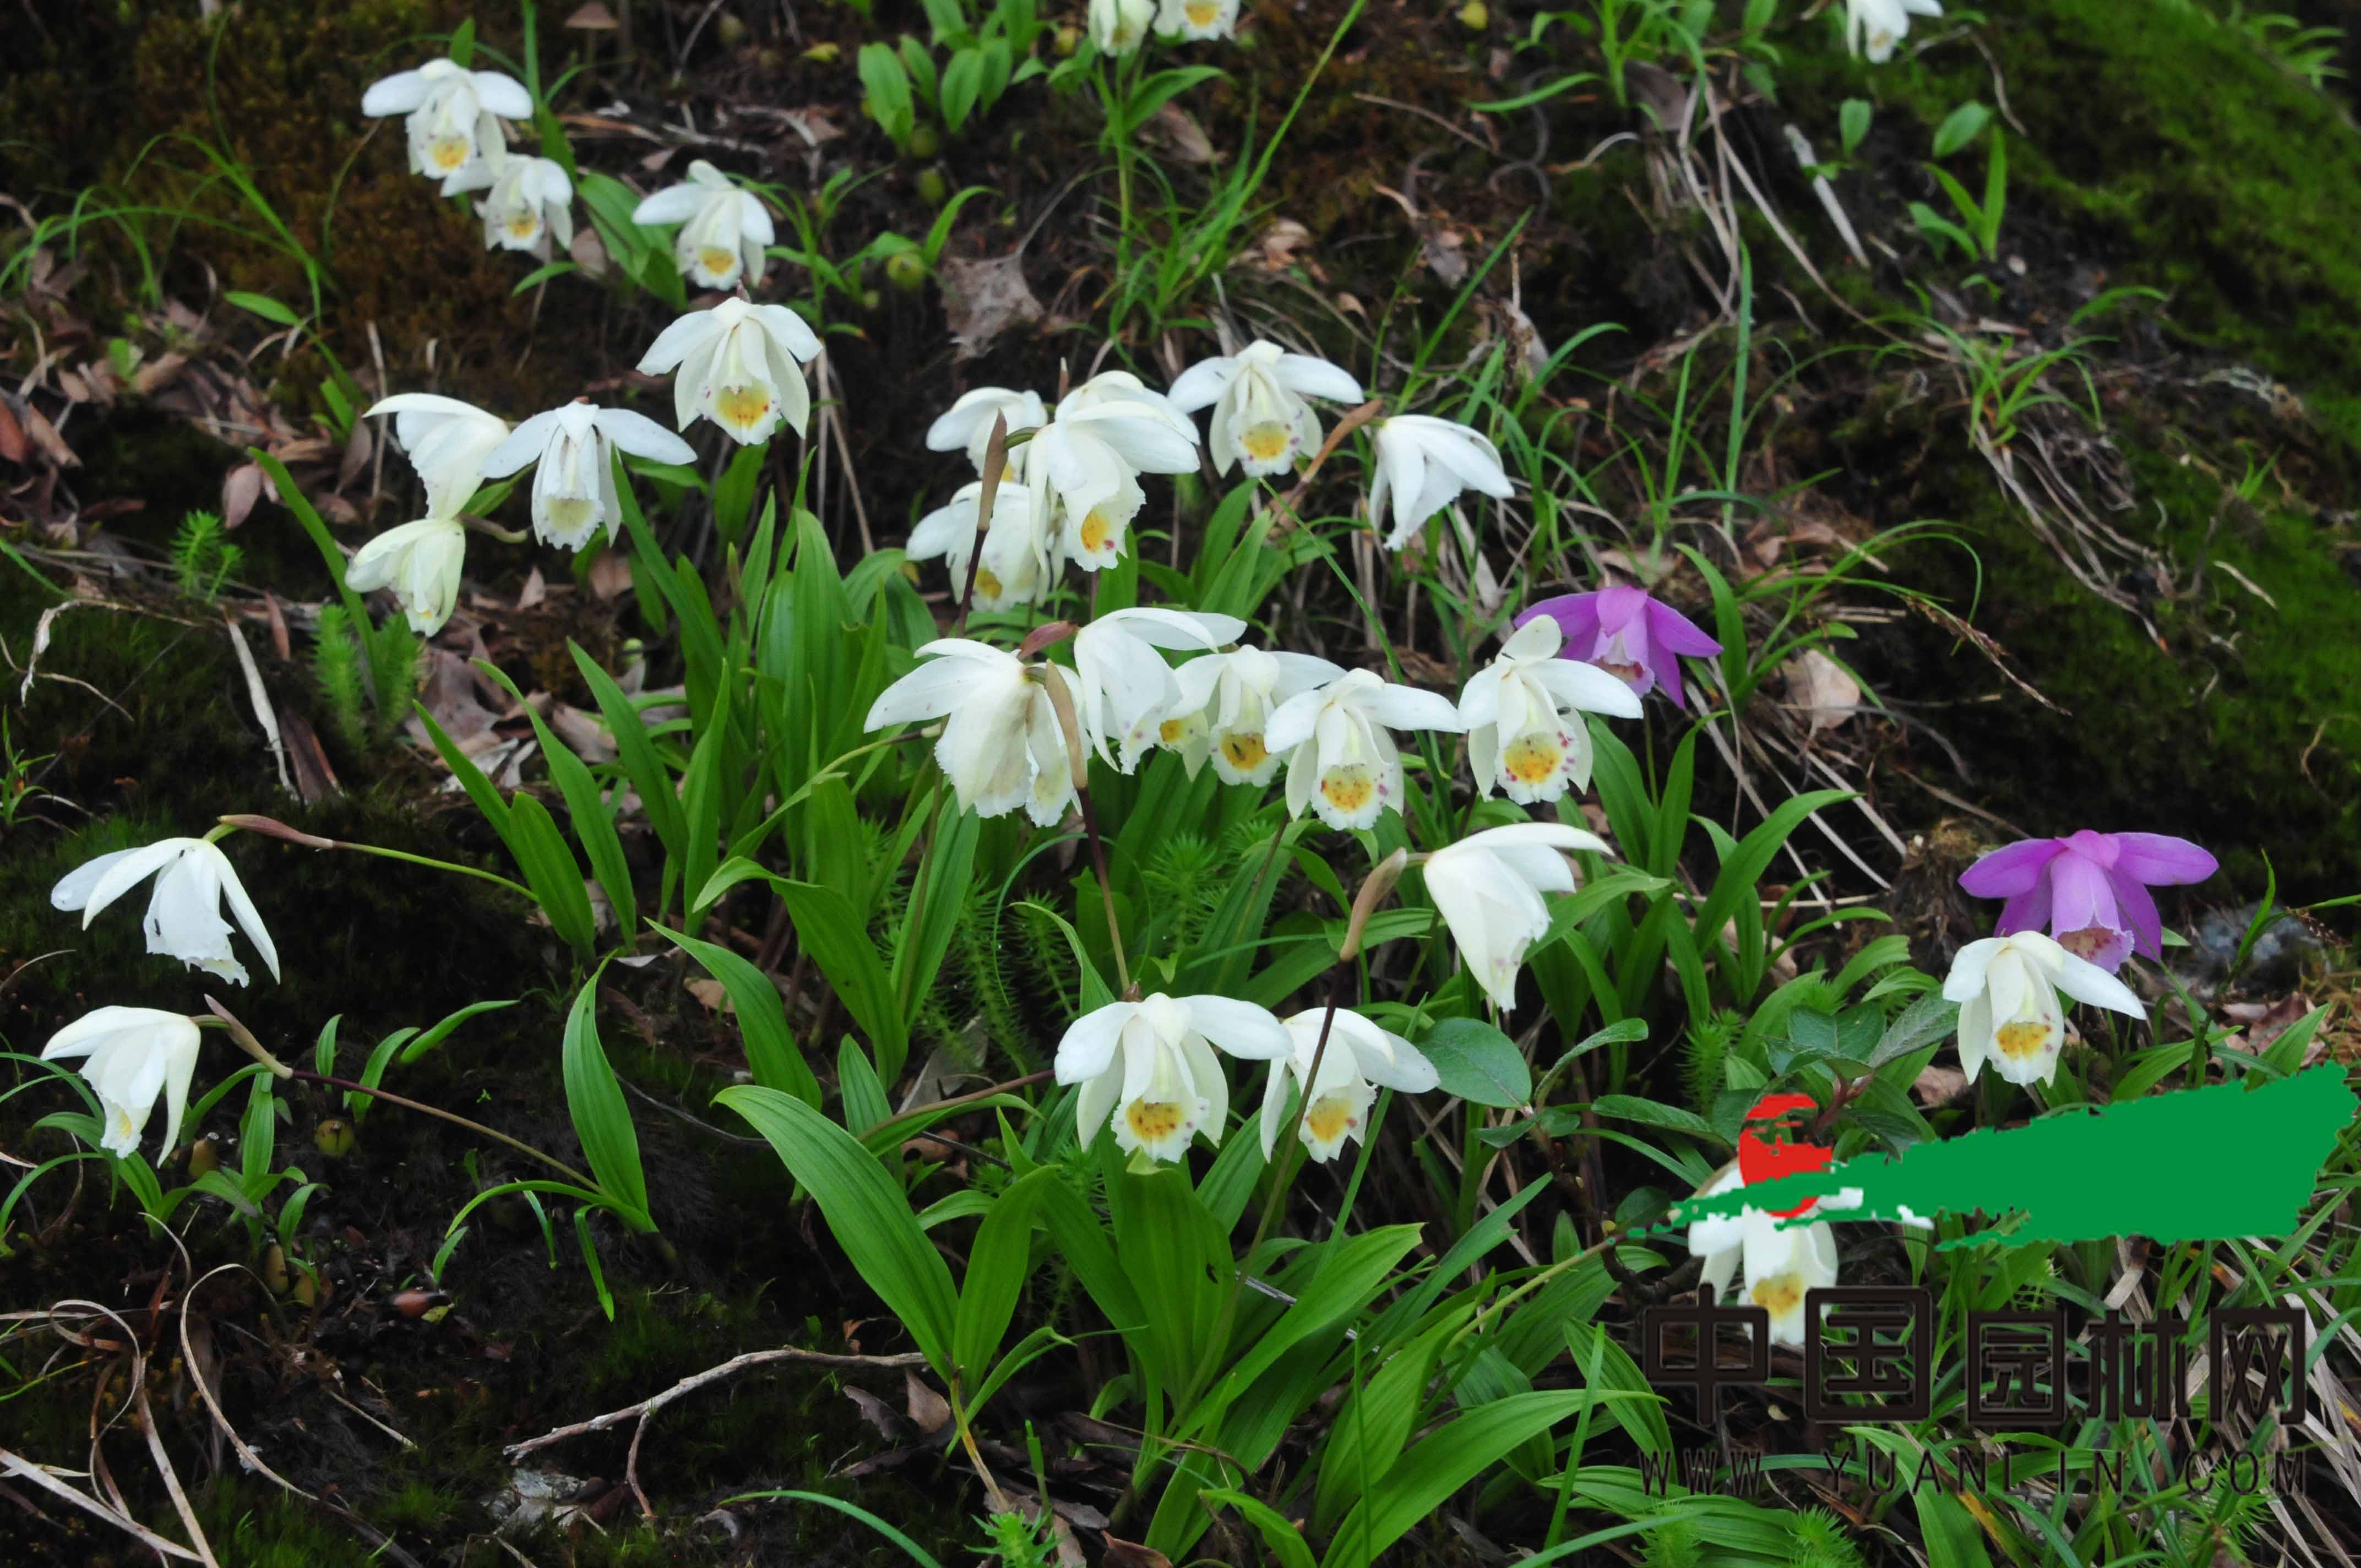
(1818,684)
(929,1410)
(1131,1555)
(534,591)
(710,994)
(983,299)
(1939,1085)
(1183,138)
(610,575)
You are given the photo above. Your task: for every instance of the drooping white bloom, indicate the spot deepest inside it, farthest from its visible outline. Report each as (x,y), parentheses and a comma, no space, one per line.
(1226,700)
(454,113)
(1340,759)
(1423,464)
(130,1055)
(1152,1063)
(1016,568)
(1783,1262)
(420,561)
(1361,1060)
(185,919)
(1090,453)
(740,365)
(1874,27)
(1487,887)
(527,201)
(1260,420)
(722,228)
(1123,687)
(2009,1013)
(573,488)
(1198,20)
(446,441)
(967,423)
(1523,713)
(1001,746)
(1119,27)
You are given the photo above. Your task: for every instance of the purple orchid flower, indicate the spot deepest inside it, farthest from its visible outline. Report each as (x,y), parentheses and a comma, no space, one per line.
(2091,889)
(1628,634)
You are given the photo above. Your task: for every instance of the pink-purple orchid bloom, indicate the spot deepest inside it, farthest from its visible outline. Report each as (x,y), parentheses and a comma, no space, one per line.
(2090,889)
(1629,634)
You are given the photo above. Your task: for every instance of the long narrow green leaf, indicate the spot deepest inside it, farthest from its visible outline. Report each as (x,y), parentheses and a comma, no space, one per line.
(772,1054)
(867,1212)
(594,1098)
(594,821)
(832,934)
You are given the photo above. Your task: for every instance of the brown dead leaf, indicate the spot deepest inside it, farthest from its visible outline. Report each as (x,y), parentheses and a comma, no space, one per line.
(589,252)
(929,1410)
(586,732)
(1939,1085)
(878,1413)
(241,487)
(1182,139)
(610,575)
(711,995)
(983,299)
(358,446)
(1275,251)
(534,591)
(45,436)
(1131,1555)
(14,446)
(154,377)
(1819,686)
(315,779)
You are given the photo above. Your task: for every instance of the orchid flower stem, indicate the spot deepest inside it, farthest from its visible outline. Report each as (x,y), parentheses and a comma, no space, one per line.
(1107,892)
(428,860)
(1291,1153)
(224,1020)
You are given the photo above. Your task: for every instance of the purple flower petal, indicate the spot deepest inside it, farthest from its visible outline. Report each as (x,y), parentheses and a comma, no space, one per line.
(1671,629)
(2140,913)
(1619,606)
(2160,859)
(1576,615)
(2026,910)
(2012,869)
(2099,849)
(2082,905)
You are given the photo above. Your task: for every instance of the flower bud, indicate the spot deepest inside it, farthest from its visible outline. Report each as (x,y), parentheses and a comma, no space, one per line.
(335,1138)
(906,270)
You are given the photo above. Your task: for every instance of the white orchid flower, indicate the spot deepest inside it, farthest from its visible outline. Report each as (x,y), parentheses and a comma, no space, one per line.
(1123,688)
(185,919)
(574,488)
(1423,466)
(1119,27)
(1340,759)
(1152,1063)
(1487,887)
(1016,568)
(1523,713)
(2009,1013)
(1226,699)
(454,113)
(527,201)
(420,561)
(130,1055)
(1361,1060)
(446,441)
(1261,423)
(967,426)
(1784,1263)
(1874,27)
(1198,20)
(723,230)
(740,365)
(1001,746)
(1090,453)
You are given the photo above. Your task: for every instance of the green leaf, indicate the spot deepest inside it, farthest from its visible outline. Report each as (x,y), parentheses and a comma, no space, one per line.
(867,1211)
(268,309)
(865,1104)
(551,871)
(1478,1063)
(594,1098)
(772,1054)
(888,86)
(998,1263)
(441,1032)
(1852,122)
(834,937)
(1156,92)
(594,821)
(635,750)
(1286,1542)
(1649,1112)
(1959,128)
(935,905)
(962,84)
(1923,1022)
(1427,1476)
